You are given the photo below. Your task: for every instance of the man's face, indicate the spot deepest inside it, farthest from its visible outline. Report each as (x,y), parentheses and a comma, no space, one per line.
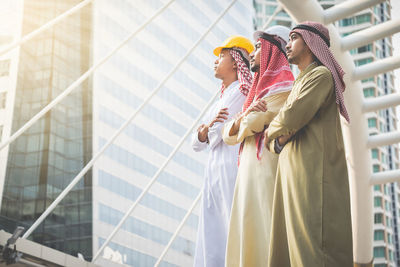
(224,65)
(296,49)
(255,58)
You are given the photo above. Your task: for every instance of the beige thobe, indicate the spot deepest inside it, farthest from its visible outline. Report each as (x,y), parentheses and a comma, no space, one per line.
(311,221)
(249,229)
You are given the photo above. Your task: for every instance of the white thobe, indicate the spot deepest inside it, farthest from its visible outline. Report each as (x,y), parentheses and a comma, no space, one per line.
(219,182)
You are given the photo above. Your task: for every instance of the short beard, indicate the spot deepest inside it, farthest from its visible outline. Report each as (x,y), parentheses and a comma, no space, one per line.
(292,60)
(255,68)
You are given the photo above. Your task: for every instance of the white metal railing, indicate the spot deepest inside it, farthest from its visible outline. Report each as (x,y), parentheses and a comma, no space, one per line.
(347,8)
(381,102)
(370,34)
(119,131)
(58,99)
(276,11)
(154,178)
(376,67)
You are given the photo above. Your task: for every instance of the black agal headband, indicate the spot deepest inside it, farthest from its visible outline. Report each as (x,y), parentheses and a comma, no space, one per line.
(272,40)
(314,30)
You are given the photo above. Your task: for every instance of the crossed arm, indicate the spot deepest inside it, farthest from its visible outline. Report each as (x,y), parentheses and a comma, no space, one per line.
(254,120)
(302,108)
(202,131)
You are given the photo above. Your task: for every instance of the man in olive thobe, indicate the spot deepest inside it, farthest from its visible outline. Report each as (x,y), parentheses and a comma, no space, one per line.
(311,221)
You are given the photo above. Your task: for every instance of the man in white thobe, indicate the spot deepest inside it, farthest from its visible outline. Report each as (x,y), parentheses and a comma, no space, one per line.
(232,67)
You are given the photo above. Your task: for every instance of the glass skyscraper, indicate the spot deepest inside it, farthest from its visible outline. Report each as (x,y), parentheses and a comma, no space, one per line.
(44,159)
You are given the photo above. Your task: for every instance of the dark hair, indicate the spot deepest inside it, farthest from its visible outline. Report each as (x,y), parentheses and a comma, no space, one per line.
(314,30)
(316,59)
(241,55)
(243,58)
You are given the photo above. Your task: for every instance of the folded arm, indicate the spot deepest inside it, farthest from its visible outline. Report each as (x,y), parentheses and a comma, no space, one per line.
(297,113)
(254,120)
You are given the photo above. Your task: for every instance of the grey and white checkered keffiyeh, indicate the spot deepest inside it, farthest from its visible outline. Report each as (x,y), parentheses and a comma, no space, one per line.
(316,37)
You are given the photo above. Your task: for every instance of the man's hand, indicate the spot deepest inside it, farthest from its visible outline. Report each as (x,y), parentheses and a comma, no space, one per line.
(202,133)
(282,140)
(221,116)
(258,106)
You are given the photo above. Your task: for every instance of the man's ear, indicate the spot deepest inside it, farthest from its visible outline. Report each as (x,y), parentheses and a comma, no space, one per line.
(234,65)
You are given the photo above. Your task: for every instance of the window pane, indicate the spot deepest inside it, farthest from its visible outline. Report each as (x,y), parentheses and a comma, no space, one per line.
(379,252)
(378,218)
(378,202)
(378,235)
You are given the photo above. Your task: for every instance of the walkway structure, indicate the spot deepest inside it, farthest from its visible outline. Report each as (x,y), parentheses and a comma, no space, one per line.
(357,141)
(29,253)
(356,137)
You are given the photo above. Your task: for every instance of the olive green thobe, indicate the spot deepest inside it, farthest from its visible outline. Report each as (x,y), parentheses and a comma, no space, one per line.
(311,221)
(250,223)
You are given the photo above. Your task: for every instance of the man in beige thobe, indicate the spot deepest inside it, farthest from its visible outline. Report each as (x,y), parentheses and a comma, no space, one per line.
(311,220)
(249,227)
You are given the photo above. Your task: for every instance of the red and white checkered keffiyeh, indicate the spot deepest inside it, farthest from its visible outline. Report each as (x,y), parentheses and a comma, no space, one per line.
(243,72)
(316,37)
(275,76)
(244,75)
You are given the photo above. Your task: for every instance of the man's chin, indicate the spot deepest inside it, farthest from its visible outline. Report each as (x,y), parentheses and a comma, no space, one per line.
(254,68)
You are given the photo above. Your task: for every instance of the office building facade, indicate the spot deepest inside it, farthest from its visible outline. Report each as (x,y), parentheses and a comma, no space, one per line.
(42,161)
(121,85)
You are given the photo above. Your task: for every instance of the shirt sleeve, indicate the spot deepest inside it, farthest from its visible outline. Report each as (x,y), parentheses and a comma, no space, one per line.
(229,139)
(234,104)
(196,144)
(255,122)
(277,147)
(295,114)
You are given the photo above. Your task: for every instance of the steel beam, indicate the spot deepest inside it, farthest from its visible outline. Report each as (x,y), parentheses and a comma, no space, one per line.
(383,139)
(376,67)
(347,8)
(313,10)
(381,102)
(370,34)
(385,177)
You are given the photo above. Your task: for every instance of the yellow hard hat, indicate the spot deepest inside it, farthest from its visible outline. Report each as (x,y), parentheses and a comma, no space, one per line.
(235,41)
